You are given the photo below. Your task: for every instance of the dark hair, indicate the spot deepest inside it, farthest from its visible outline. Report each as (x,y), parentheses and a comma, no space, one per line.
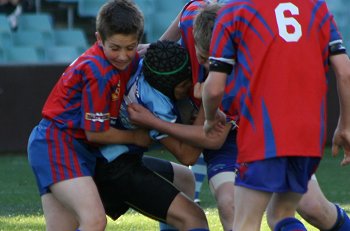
(165,65)
(119,17)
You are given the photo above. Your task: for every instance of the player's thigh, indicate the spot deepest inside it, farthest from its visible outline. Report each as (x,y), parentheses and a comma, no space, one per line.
(79,195)
(160,166)
(226,178)
(57,217)
(314,199)
(149,193)
(181,176)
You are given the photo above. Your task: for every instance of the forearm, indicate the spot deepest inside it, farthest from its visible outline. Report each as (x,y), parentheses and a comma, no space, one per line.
(184,153)
(213,91)
(341,69)
(111,136)
(173,32)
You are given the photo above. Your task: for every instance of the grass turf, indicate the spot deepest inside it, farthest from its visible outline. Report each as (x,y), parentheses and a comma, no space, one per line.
(20,208)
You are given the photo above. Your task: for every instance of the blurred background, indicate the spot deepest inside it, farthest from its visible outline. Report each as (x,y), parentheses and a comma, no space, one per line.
(39,38)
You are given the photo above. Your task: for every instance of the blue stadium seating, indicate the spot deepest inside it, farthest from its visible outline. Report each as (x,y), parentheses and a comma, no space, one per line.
(89,8)
(5,31)
(22,55)
(74,37)
(61,54)
(70,5)
(34,39)
(42,22)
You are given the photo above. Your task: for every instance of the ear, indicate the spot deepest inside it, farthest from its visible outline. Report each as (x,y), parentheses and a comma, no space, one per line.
(98,38)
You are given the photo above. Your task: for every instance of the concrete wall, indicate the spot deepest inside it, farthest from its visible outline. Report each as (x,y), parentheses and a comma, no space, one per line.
(24,89)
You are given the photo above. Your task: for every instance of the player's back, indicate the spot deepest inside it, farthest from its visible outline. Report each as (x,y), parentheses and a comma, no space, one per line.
(281,51)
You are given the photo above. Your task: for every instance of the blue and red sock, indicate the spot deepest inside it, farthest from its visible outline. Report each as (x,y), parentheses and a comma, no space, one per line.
(343,221)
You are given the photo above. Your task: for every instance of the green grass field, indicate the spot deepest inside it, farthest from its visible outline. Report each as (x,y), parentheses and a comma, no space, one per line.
(20,208)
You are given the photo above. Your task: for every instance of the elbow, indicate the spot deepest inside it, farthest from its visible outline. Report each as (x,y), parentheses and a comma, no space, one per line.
(188,159)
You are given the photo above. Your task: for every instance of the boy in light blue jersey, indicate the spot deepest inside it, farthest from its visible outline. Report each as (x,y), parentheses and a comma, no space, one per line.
(162,77)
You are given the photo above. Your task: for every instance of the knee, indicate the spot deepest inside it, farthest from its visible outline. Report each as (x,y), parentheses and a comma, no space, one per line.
(225,204)
(188,216)
(94,221)
(185,181)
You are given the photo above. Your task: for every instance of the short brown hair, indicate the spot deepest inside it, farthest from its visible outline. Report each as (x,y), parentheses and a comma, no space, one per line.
(119,17)
(203,25)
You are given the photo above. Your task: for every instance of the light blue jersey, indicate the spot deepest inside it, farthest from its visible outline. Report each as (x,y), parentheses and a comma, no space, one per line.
(139,91)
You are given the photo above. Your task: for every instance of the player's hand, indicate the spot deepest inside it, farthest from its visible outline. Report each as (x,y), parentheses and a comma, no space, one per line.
(341,139)
(142,49)
(142,138)
(215,125)
(140,115)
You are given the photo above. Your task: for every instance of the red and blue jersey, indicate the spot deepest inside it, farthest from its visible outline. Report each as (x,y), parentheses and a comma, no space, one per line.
(187,16)
(88,94)
(279,52)
(199,73)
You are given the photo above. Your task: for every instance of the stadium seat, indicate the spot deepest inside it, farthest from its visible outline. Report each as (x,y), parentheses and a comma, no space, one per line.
(35,21)
(148,10)
(5,31)
(70,5)
(166,12)
(34,39)
(21,55)
(73,37)
(61,54)
(42,22)
(89,8)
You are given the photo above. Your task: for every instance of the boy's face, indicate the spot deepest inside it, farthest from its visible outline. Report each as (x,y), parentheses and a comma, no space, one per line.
(202,57)
(182,90)
(119,49)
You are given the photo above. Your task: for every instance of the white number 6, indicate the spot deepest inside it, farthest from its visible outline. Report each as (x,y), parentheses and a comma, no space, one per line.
(283,22)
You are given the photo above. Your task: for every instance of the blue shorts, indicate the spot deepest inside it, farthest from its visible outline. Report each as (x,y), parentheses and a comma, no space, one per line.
(223,159)
(284,174)
(55,156)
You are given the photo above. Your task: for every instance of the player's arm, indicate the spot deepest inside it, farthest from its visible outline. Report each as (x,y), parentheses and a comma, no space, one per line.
(189,142)
(341,66)
(138,137)
(172,33)
(213,91)
(186,154)
(191,134)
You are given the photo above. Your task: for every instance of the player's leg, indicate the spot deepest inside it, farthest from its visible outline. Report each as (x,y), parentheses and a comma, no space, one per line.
(166,203)
(179,175)
(184,179)
(296,172)
(222,187)
(57,217)
(249,208)
(319,212)
(80,195)
(199,170)
(55,177)
(282,206)
(221,167)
